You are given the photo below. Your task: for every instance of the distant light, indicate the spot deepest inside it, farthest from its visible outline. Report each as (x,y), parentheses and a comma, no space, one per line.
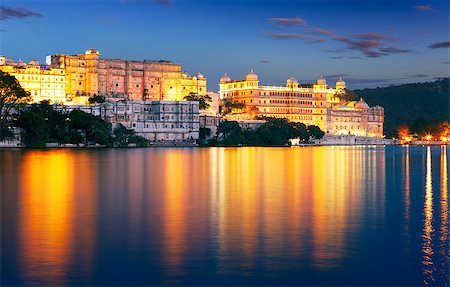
(428,137)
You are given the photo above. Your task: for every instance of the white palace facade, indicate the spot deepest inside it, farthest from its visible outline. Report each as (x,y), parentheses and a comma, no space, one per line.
(318,105)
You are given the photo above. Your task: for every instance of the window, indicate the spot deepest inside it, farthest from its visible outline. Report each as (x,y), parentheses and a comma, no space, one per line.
(137,86)
(117,85)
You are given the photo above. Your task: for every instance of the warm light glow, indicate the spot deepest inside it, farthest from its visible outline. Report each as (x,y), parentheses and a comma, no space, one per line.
(47,216)
(428,267)
(443,232)
(428,137)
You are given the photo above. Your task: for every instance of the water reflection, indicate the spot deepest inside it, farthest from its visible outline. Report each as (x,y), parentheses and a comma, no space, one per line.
(427,245)
(443,232)
(315,216)
(197,216)
(407,201)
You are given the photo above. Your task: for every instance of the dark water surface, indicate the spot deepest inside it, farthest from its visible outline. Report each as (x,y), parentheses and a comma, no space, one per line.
(225,216)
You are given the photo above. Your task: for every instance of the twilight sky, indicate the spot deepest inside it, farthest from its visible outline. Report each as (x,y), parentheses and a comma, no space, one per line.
(369,43)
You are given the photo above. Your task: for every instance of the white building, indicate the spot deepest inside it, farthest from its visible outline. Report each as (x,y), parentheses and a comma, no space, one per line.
(157,121)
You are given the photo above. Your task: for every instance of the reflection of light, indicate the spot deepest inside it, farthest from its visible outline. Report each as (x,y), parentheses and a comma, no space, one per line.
(407,197)
(174,213)
(427,250)
(443,234)
(46,216)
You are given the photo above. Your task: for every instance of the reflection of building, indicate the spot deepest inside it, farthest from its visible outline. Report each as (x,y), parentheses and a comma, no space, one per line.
(154,120)
(43,82)
(313,105)
(135,80)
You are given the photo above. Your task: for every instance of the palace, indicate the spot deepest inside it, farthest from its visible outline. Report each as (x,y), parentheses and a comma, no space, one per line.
(43,82)
(318,105)
(87,74)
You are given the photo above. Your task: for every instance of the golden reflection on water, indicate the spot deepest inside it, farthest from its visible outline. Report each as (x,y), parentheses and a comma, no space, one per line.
(266,204)
(174,214)
(407,199)
(48,213)
(308,202)
(46,216)
(443,234)
(427,246)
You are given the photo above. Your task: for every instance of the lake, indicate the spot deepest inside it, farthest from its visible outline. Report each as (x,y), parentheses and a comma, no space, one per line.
(225,216)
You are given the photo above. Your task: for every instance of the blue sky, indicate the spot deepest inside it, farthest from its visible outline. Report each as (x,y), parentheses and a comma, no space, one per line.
(368,43)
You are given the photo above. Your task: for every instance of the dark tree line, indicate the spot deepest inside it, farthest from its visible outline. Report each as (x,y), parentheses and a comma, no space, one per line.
(274,132)
(42,124)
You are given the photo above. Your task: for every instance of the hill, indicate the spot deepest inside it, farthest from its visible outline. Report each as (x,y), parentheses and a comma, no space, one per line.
(408,104)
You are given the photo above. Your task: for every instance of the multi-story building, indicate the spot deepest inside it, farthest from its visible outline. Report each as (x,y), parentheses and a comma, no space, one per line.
(133,80)
(294,102)
(43,82)
(355,118)
(315,104)
(157,121)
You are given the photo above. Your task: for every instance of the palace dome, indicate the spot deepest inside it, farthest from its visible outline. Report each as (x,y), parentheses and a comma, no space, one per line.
(225,79)
(200,76)
(321,81)
(92,51)
(292,80)
(340,83)
(361,104)
(251,76)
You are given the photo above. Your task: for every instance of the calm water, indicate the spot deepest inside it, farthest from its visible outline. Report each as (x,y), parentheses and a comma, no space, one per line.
(225,216)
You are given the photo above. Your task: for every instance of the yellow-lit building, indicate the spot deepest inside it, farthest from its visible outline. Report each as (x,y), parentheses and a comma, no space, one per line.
(135,80)
(317,104)
(43,82)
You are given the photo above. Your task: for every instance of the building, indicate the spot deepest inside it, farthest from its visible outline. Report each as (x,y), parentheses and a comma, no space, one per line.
(88,74)
(293,102)
(316,104)
(157,121)
(355,118)
(43,82)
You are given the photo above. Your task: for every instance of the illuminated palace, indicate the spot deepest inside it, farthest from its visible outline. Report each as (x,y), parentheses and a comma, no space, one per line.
(43,82)
(318,105)
(87,74)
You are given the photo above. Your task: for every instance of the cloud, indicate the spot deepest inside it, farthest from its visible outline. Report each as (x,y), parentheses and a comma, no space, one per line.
(394,50)
(418,76)
(317,40)
(439,45)
(323,31)
(287,21)
(371,36)
(265,61)
(370,44)
(424,7)
(16,13)
(287,35)
(365,46)
(334,51)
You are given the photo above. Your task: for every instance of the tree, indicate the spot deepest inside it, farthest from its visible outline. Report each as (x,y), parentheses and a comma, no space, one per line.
(96,99)
(315,132)
(202,100)
(34,124)
(226,128)
(11,95)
